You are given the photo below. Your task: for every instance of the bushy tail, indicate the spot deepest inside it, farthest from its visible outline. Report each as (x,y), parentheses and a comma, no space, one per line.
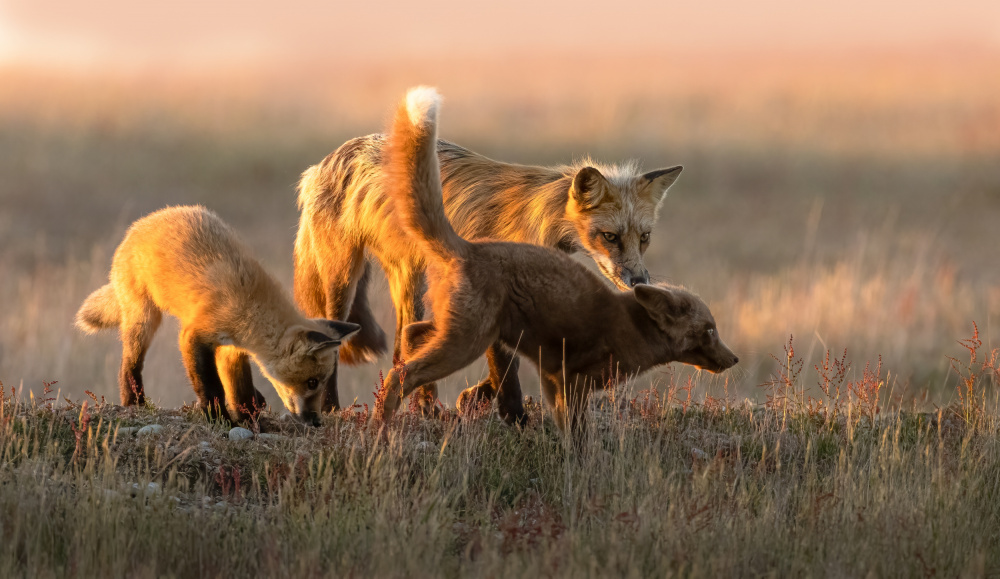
(413,177)
(100,311)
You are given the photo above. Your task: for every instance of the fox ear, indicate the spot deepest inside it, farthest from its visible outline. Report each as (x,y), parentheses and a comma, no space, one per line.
(317,341)
(589,188)
(662,304)
(659,181)
(340,330)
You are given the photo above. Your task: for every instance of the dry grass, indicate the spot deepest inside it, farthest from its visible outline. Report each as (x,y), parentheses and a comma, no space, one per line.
(663,487)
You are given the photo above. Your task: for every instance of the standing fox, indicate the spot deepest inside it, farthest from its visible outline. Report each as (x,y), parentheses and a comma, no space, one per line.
(189,263)
(529,298)
(607,212)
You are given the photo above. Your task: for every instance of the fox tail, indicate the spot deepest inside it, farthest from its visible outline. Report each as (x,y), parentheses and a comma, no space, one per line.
(100,311)
(413,176)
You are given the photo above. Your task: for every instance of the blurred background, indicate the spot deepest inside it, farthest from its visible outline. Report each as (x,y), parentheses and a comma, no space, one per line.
(841,181)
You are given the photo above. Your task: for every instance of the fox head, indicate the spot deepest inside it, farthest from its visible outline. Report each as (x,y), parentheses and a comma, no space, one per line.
(614,218)
(687,326)
(305,359)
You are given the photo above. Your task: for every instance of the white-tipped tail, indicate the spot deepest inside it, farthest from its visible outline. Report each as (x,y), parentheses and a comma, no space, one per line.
(422,103)
(412,175)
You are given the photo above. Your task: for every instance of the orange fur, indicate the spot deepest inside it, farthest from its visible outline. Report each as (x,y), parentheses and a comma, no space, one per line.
(535,300)
(187,262)
(606,211)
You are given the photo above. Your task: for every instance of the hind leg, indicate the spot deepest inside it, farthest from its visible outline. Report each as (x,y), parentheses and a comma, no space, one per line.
(242,399)
(369,343)
(444,353)
(407,289)
(136,334)
(199,361)
(503,364)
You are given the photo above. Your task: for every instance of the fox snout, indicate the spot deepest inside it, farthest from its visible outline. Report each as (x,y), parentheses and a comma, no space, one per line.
(631,279)
(724,358)
(309,418)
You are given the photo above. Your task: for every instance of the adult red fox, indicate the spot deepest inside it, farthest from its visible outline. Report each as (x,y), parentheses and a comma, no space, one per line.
(606,211)
(187,262)
(529,298)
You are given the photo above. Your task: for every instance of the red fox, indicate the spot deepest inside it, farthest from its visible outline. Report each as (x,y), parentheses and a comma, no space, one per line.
(606,211)
(187,262)
(529,298)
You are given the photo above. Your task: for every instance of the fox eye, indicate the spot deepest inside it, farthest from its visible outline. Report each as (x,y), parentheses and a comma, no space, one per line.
(312,383)
(610,237)
(644,238)
(710,331)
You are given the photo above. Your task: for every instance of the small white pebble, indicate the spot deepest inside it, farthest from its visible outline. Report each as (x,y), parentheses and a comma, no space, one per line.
(240,433)
(221,505)
(699,454)
(426,446)
(205,445)
(149,429)
(128,431)
(153,489)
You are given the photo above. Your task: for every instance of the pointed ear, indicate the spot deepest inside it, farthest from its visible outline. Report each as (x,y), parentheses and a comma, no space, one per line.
(658,181)
(317,341)
(662,304)
(588,188)
(340,330)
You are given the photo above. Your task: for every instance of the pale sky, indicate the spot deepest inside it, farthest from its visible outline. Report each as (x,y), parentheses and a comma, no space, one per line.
(206,31)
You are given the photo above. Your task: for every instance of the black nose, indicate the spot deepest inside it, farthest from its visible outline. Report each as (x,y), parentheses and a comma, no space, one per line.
(310,418)
(736,359)
(638,279)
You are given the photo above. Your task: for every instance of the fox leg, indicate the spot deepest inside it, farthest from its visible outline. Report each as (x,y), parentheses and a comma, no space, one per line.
(199,361)
(242,399)
(503,364)
(369,342)
(443,354)
(568,403)
(342,270)
(406,287)
(136,334)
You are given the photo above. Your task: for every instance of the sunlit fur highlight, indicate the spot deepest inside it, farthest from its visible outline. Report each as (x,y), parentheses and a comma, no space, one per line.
(346,218)
(187,262)
(579,331)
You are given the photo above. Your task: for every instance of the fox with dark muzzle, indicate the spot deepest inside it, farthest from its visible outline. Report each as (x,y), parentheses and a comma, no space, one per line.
(606,211)
(529,298)
(187,262)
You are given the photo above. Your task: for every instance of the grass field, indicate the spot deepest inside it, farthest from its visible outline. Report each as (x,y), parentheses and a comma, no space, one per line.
(850,204)
(663,487)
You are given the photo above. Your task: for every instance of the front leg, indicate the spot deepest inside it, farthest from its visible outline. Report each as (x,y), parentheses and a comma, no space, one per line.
(407,288)
(242,399)
(199,361)
(568,403)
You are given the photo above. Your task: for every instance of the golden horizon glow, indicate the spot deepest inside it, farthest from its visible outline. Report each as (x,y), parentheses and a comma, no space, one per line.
(186,32)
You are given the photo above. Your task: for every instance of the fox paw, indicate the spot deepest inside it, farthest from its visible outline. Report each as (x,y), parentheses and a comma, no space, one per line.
(475,396)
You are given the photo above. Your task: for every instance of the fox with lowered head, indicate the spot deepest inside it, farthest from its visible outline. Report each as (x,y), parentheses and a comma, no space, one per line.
(529,298)
(605,211)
